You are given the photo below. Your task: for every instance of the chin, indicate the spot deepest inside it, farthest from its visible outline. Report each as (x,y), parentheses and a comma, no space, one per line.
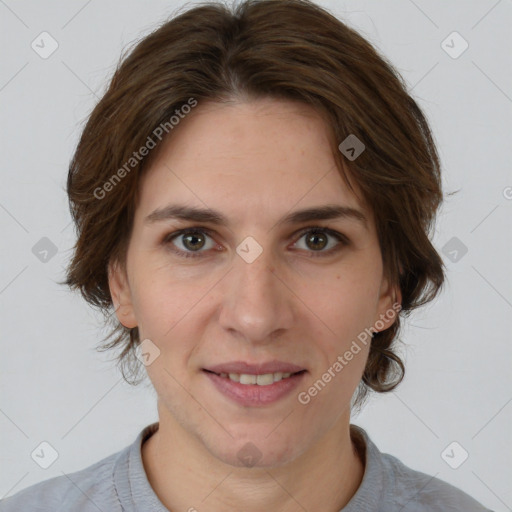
(255,451)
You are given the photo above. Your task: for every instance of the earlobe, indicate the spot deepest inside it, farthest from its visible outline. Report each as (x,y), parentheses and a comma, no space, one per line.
(121,294)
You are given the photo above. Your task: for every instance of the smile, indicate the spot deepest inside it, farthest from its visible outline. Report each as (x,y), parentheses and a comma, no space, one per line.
(255,389)
(261,380)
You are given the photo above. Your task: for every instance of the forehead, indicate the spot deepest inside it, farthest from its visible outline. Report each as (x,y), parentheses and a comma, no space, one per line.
(261,158)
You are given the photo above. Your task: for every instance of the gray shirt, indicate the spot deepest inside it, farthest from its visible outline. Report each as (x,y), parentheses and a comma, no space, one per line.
(119,483)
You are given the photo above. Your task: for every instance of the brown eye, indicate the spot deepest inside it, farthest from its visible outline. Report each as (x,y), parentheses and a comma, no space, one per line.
(316,241)
(190,242)
(193,241)
(319,241)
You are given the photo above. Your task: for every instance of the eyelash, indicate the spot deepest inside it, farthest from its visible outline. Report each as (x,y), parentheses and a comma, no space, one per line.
(342,239)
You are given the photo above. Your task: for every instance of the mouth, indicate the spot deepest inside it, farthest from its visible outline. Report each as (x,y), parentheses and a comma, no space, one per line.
(253,385)
(262,379)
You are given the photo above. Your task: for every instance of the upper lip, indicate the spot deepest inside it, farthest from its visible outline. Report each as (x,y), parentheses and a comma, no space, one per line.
(255,368)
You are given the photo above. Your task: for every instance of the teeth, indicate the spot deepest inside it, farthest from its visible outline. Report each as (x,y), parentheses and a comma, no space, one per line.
(261,380)
(265,380)
(247,379)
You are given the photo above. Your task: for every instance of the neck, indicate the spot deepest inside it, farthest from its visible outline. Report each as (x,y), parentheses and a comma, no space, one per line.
(185,476)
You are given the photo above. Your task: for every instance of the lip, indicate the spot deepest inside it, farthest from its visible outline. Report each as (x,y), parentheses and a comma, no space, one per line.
(255,368)
(254,395)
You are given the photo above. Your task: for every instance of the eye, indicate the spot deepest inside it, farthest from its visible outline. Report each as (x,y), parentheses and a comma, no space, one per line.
(189,242)
(194,242)
(316,239)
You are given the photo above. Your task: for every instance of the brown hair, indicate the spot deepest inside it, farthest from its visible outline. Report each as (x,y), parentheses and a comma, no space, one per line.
(288,49)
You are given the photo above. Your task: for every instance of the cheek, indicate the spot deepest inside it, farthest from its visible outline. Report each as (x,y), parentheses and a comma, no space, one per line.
(346,306)
(170,311)
(347,301)
(164,298)
(170,323)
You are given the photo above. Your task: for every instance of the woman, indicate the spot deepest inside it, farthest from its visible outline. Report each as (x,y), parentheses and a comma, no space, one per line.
(253,197)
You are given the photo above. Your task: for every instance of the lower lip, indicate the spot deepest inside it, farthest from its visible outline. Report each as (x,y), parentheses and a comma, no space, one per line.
(253,395)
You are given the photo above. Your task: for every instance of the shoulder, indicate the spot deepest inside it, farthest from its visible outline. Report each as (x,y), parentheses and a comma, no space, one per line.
(90,489)
(419,492)
(389,485)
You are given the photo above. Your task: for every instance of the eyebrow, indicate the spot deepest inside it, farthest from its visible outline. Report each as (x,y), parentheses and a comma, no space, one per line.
(207,215)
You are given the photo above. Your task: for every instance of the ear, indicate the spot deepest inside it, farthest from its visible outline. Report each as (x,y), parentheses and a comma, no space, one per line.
(389,305)
(121,294)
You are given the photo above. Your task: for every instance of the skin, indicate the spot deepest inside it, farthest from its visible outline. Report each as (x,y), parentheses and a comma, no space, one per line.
(254,161)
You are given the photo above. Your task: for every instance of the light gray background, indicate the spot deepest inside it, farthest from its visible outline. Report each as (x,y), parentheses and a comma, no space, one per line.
(56,388)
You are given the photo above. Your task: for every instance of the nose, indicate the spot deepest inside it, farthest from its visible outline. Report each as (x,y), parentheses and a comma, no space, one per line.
(257,306)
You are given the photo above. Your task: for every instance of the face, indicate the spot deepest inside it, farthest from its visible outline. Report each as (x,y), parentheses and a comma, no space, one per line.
(253,303)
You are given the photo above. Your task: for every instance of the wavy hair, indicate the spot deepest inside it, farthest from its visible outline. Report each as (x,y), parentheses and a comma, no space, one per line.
(284,49)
